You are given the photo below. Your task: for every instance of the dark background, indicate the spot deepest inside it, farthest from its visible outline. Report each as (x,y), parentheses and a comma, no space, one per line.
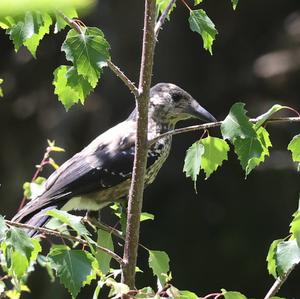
(220,236)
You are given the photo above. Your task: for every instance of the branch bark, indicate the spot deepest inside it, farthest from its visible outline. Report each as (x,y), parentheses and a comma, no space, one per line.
(139,168)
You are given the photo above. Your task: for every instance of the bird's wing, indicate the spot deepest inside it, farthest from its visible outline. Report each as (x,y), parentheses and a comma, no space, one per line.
(104,163)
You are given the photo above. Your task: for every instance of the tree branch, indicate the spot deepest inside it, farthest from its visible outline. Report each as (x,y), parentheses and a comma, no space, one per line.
(278,283)
(123,77)
(52,232)
(139,168)
(163,17)
(218,124)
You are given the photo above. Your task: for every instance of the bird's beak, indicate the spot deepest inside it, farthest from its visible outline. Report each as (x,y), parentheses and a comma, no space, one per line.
(199,112)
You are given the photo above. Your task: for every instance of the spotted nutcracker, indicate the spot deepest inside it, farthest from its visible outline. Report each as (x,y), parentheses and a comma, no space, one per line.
(101,172)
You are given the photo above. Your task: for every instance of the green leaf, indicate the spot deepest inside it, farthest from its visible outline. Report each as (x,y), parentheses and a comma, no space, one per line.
(159,263)
(215,152)
(264,139)
(104,239)
(3,228)
(271,258)
(146,216)
(248,149)
(1,91)
(233,295)
(88,51)
(192,161)
(287,256)
(70,87)
(295,227)
(234,3)
(237,124)
(71,220)
(161,5)
(43,29)
(75,268)
(146,292)
(17,7)
(177,294)
(262,118)
(60,24)
(196,2)
(294,147)
(34,189)
(202,24)
(117,289)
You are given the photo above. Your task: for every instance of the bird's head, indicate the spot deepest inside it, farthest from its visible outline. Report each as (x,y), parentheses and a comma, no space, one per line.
(169,104)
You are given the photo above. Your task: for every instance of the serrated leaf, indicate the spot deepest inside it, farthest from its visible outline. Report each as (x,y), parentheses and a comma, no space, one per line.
(71,220)
(287,256)
(60,24)
(271,258)
(264,139)
(202,24)
(159,263)
(262,118)
(295,227)
(192,161)
(237,124)
(75,268)
(88,51)
(146,216)
(70,87)
(294,147)
(233,295)
(248,149)
(234,3)
(215,152)
(105,240)
(33,42)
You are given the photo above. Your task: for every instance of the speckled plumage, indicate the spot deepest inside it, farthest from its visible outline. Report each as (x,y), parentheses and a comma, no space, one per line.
(101,172)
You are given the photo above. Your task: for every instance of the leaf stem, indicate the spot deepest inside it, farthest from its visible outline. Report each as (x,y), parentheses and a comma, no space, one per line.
(163,17)
(52,232)
(186,5)
(72,23)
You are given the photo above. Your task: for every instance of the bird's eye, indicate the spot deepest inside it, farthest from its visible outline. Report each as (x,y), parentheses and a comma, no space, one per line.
(176,97)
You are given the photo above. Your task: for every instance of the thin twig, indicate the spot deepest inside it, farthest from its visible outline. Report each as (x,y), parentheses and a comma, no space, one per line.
(278,283)
(72,23)
(163,17)
(218,124)
(52,232)
(123,77)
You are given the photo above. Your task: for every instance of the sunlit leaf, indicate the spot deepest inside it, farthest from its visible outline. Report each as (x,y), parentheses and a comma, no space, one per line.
(146,216)
(215,152)
(237,124)
(232,295)
(117,289)
(192,161)
(104,239)
(88,51)
(75,268)
(71,220)
(271,258)
(159,263)
(234,3)
(202,24)
(294,147)
(262,118)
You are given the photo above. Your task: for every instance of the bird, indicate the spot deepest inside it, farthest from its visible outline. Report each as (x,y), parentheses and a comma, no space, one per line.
(100,174)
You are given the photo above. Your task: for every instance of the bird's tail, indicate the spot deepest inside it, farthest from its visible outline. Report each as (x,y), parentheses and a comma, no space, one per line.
(34,217)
